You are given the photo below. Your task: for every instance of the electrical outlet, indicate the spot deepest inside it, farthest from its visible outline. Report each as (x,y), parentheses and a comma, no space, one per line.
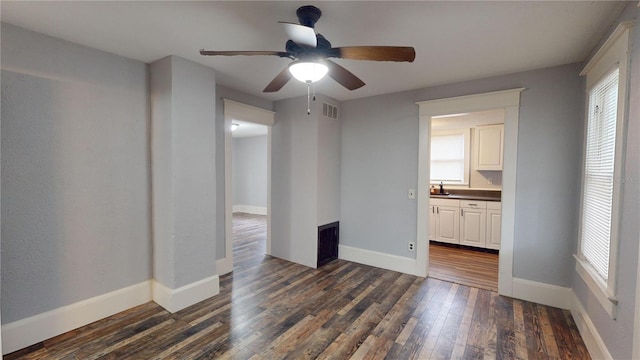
(489,181)
(412,194)
(412,246)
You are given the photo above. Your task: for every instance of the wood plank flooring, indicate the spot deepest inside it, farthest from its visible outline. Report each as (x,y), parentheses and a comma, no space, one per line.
(463,265)
(269,308)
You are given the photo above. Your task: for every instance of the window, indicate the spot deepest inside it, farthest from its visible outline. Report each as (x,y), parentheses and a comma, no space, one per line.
(597,196)
(450,157)
(603,153)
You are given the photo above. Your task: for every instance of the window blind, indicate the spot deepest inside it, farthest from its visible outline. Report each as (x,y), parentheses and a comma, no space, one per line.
(448,158)
(599,173)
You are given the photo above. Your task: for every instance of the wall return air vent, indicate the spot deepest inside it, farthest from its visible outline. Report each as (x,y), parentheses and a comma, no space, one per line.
(329,111)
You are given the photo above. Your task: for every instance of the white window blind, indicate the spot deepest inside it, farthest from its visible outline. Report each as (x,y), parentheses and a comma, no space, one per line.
(599,173)
(448,160)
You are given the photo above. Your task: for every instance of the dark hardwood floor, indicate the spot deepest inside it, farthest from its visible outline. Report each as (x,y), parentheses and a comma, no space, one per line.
(464,265)
(269,308)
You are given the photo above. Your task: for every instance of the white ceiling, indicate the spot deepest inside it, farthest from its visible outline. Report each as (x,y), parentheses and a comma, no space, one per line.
(454,41)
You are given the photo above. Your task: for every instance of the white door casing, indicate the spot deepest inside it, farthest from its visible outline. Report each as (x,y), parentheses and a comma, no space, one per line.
(239,111)
(508,100)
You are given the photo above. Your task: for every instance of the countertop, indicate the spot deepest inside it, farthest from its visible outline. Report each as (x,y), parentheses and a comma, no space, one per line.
(466,197)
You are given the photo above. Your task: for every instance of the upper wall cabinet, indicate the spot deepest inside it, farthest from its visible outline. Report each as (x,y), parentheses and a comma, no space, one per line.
(489,145)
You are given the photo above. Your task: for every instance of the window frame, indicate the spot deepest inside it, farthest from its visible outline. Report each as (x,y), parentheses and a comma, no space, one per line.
(466,133)
(613,54)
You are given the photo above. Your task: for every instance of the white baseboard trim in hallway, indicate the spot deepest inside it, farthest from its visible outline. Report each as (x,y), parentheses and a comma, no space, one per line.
(175,300)
(256,210)
(377,259)
(224,266)
(590,336)
(542,293)
(22,333)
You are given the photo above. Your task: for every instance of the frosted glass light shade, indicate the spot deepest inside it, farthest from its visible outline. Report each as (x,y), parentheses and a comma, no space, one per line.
(308,72)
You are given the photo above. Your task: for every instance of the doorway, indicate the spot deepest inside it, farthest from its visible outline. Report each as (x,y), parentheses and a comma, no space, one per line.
(465,197)
(250,116)
(249,193)
(509,100)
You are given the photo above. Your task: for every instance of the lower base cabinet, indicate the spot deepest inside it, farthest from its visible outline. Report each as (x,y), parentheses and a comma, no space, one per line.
(466,222)
(473,222)
(494,225)
(444,221)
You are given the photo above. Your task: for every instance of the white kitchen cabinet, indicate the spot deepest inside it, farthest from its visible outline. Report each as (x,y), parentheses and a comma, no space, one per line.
(489,145)
(494,225)
(445,221)
(433,222)
(473,223)
(465,222)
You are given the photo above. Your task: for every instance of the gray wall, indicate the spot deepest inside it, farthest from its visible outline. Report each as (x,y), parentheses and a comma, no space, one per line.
(183,158)
(250,171)
(379,164)
(294,182)
(75,173)
(306,177)
(231,94)
(618,334)
(328,165)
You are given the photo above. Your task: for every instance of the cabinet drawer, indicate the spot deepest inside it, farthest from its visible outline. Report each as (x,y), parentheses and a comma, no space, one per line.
(494,205)
(474,204)
(444,202)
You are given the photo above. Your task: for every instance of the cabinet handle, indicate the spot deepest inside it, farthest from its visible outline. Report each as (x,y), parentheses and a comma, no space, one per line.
(473,204)
(461,212)
(433,209)
(438,210)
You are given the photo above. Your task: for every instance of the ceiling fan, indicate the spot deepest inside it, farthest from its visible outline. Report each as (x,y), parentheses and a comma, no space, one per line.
(310,53)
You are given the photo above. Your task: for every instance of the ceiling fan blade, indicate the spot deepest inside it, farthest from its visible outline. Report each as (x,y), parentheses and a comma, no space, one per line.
(375,53)
(300,34)
(343,76)
(279,81)
(250,53)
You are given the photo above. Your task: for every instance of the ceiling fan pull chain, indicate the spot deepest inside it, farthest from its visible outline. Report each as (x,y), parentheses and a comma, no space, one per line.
(313,98)
(308,97)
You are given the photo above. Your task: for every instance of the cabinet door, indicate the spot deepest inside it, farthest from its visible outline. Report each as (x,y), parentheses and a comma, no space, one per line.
(448,224)
(489,141)
(494,226)
(472,227)
(432,222)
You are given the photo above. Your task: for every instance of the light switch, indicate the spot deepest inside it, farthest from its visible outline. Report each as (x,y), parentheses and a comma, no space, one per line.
(412,194)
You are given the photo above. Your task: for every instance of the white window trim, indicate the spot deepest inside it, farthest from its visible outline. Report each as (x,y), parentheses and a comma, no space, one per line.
(613,53)
(466,133)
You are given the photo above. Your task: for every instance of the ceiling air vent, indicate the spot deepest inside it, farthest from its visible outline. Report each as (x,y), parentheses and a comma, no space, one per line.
(329,111)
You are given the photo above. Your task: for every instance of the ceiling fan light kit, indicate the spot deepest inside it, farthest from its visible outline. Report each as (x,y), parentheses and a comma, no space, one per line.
(308,71)
(310,52)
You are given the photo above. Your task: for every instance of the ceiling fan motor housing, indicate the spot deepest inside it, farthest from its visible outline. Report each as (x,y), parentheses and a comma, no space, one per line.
(308,15)
(322,49)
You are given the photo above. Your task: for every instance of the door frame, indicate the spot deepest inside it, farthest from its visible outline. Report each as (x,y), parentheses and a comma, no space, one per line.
(234,110)
(508,100)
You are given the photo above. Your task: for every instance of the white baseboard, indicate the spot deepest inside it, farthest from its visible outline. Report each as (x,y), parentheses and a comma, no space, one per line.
(25,332)
(542,293)
(373,258)
(256,210)
(590,336)
(224,266)
(177,299)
